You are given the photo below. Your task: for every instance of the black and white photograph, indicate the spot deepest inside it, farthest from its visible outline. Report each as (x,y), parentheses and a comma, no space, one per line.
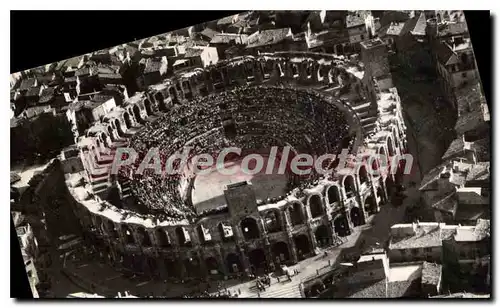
(286,154)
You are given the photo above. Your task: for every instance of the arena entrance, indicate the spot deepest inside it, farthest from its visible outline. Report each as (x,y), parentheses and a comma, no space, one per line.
(257,259)
(233,263)
(322,236)
(341,225)
(280,252)
(303,246)
(356,216)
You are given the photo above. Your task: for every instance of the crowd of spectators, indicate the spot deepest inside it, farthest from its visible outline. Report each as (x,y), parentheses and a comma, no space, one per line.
(262,117)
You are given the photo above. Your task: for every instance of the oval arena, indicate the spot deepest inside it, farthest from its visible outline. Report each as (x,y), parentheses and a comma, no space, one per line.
(211,225)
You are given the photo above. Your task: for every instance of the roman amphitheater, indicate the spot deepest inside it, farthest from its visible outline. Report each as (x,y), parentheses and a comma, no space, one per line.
(193,226)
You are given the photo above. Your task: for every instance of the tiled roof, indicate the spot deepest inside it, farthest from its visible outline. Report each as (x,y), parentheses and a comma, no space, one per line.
(226,38)
(483,149)
(415,26)
(446,202)
(152,65)
(451,29)
(209,33)
(267,37)
(425,236)
(27,84)
(420,26)
(193,52)
(226,20)
(444,53)
(35,91)
(469,121)
(432,175)
(395,28)
(352,21)
(399,289)
(431,273)
(479,172)
(47,94)
(393,16)
(457,146)
(83,71)
(368,290)
(14,177)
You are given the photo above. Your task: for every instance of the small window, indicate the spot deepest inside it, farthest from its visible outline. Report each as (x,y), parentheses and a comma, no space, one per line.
(464,74)
(362,37)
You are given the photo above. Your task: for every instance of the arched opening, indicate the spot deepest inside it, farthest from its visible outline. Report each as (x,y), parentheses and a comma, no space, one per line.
(295,213)
(192,265)
(370,205)
(438,17)
(257,259)
(280,252)
(315,206)
(160,101)
(128,121)
(173,95)
(129,237)
(303,246)
(204,234)
(152,266)
(226,231)
(137,114)
(147,105)
(309,70)
(145,239)
(250,228)
(186,86)
(172,268)
(464,58)
(380,194)
(295,70)
(113,232)
(212,265)
(340,49)
(333,194)
(119,128)
(356,216)
(349,186)
(233,263)
(183,236)
(163,238)
(389,185)
(272,222)
(110,133)
(390,147)
(341,225)
(104,139)
(363,174)
(322,236)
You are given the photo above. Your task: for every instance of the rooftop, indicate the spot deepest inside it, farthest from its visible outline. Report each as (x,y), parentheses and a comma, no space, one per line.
(268,37)
(354,20)
(431,273)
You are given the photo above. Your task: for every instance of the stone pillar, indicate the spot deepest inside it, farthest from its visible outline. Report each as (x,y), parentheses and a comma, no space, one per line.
(222,261)
(201,258)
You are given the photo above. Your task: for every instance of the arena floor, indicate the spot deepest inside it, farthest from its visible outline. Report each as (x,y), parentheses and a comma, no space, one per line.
(208,190)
